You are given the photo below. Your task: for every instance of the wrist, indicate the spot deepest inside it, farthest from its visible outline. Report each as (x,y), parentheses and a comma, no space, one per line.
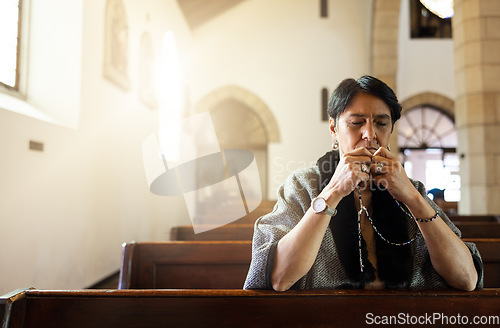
(420,207)
(331,197)
(319,205)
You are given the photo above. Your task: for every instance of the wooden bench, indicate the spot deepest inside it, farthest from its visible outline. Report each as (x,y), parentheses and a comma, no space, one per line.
(244,308)
(181,264)
(472,229)
(474,218)
(224,264)
(489,248)
(245,231)
(227,232)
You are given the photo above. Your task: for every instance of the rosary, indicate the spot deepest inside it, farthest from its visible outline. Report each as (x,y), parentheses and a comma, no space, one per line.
(362,209)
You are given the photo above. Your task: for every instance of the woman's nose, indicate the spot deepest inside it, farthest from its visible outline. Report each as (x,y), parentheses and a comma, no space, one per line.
(369,132)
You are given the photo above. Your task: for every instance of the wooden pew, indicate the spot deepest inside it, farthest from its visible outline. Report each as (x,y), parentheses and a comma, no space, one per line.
(224,264)
(197,264)
(244,308)
(471,229)
(489,248)
(245,231)
(227,232)
(474,218)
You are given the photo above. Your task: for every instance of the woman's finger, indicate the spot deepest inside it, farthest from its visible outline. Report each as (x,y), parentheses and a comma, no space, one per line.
(384,152)
(360,151)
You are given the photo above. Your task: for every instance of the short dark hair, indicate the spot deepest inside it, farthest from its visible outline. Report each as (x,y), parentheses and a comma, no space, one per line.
(349,88)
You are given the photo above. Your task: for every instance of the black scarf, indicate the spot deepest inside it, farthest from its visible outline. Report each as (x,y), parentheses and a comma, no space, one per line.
(394,262)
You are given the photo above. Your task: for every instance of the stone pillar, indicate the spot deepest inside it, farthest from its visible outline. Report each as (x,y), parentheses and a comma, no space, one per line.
(476,35)
(384,58)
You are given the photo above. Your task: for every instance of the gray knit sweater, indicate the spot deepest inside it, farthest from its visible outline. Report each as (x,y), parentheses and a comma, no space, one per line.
(293,200)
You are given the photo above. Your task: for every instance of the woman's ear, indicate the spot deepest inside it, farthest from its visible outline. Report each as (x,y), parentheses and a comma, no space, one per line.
(333,132)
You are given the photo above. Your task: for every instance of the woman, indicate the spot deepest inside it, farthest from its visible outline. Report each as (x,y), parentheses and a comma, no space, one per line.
(355,220)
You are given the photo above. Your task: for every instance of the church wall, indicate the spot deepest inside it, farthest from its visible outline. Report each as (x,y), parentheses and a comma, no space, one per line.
(424,65)
(284,53)
(66,211)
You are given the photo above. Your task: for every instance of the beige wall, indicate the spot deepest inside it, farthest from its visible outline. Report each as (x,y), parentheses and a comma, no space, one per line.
(284,53)
(65,211)
(423,64)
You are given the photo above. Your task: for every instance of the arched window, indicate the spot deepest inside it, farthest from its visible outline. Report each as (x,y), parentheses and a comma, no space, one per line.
(427,140)
(425,127)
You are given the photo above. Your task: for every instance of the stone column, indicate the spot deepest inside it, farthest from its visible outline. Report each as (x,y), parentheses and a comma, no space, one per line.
(384,59)
(476,35)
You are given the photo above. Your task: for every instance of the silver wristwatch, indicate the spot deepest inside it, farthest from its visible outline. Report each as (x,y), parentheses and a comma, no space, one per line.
(319,205)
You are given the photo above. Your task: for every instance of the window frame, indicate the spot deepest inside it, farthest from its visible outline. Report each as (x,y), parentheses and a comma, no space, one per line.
(19,88)
(423,125)
(419,26)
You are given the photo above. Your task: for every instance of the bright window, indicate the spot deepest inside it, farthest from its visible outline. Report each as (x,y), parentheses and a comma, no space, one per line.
(427,139)
(9,42)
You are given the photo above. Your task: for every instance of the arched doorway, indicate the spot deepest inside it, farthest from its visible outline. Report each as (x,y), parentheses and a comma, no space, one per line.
(238,127)
(427,142)
(243,121)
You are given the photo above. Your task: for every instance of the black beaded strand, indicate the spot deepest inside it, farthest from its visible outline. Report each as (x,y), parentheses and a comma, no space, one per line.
(363,208)
(413,217)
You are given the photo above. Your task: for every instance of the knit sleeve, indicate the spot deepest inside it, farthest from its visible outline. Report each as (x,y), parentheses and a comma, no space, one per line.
(476,257)
(293,200)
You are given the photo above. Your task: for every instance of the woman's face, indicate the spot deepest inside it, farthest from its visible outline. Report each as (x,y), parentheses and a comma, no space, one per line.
(366,122)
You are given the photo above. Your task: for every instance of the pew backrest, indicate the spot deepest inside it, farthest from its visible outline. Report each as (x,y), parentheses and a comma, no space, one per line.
(469,229)
(244,308)
(224,264)
(227,232)
(472,229)
(489,248)
(474,218)
(184,264)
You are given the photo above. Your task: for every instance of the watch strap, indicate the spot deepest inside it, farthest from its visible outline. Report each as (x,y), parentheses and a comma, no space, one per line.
(330,211)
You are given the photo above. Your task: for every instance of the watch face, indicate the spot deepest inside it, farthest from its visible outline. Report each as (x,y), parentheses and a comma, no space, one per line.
(319,205)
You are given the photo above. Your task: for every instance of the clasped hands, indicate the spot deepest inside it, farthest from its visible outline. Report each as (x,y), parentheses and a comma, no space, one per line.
(360,166)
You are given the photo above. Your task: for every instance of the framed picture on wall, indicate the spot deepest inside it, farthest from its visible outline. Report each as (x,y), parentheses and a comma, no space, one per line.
(116,42)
